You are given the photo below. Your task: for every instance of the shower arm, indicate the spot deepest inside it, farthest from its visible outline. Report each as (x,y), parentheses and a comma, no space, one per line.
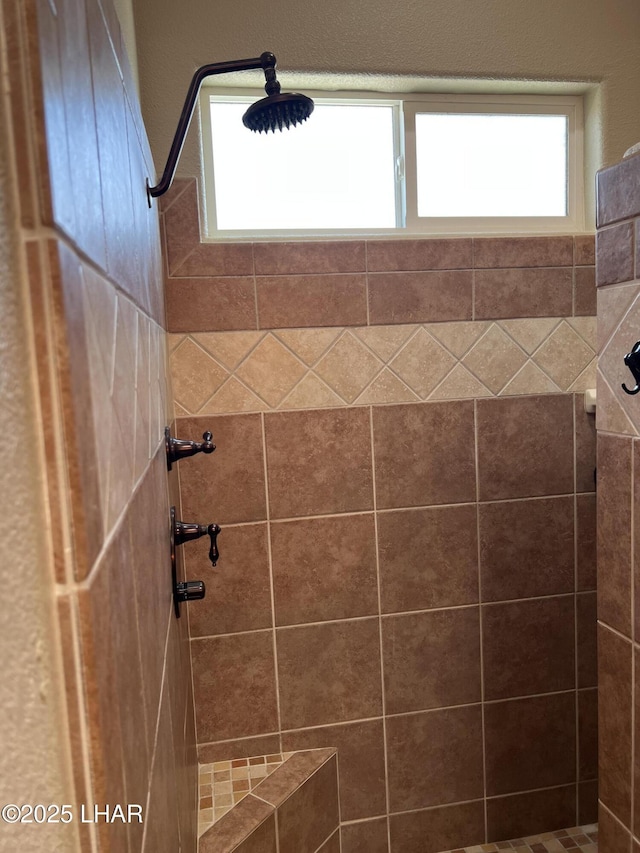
(266,61)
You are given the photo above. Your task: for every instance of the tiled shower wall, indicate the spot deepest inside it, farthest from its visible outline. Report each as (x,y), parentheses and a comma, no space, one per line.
(92,253)
(404,475)
(618,421)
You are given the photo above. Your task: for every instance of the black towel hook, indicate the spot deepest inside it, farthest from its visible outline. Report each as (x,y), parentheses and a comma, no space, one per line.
(632,360)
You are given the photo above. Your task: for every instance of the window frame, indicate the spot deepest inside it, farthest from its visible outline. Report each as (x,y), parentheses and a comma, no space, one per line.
(569,106)
(405,107)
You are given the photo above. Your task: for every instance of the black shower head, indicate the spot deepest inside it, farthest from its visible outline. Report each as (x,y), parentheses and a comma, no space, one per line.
(276,110)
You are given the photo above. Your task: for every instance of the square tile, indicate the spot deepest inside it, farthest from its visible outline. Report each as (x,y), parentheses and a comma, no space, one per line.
(431,660)
(449,743)
(428,558)
(319,462)
(226,486)
(424,454)
(525,446)
(361,763)
(526,548)
(324,568)
(241,576)
(329,673)
(543,658)
(530,743)
(234,686)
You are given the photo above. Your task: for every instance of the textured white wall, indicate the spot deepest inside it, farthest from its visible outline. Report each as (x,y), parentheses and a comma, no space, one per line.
(33,738)
(586,41)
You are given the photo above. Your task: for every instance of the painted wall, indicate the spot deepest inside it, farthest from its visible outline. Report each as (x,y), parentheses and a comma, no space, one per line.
(374,44)
(90,285)
(34,747)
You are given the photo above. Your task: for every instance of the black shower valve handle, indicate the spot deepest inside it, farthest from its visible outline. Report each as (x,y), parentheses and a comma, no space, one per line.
(178,448)
(214,553)
(185,532)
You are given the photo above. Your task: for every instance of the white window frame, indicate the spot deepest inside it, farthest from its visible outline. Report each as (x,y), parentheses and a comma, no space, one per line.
(405,109)
(568,106)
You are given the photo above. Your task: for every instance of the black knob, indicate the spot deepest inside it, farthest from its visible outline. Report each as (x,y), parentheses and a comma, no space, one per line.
(190,591)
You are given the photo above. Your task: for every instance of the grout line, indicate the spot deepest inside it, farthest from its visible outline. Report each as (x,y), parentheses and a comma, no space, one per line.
(387,510)
(380,638)
(633,650)
(576,647)
(392,615)
(366,280)
(480,625)
(271,584)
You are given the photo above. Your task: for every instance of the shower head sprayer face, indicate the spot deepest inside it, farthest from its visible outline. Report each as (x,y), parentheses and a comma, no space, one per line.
(278,111)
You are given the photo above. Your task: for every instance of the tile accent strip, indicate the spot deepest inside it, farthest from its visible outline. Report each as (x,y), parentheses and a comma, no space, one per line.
(580,839)
(252,371)
(224,783)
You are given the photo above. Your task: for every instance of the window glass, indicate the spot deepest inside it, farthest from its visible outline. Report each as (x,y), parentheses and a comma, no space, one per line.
(335,171)
(491,165)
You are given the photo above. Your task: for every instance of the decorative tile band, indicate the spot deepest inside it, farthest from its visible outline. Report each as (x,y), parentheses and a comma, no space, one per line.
(579,839)
(225,783)
(250,371)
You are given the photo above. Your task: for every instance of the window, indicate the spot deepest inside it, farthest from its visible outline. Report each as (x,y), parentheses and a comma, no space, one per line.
(423,164)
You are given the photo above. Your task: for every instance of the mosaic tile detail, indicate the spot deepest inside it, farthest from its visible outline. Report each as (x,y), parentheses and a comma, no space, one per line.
(224,783)
(230,372)
(580,839)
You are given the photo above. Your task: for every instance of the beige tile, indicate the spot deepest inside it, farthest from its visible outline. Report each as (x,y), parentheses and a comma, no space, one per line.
(587,379)
(229,348)
(494,359)
(385,341)
(271,370)
(529,333)
(458,338)
(233,396)
(459,385)
(563,356)
(195,375)
(311,393)
(308,344)
(610,416)
(586,328)
(348,367)
(613,303)
(422,363)
(530,380)
(386,388)
(174,341)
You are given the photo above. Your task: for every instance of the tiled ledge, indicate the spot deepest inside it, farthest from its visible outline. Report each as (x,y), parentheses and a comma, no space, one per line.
(295,792)
(232,372)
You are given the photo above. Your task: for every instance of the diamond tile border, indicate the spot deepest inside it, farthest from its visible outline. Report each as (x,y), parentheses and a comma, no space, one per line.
(580,839)
(315,368)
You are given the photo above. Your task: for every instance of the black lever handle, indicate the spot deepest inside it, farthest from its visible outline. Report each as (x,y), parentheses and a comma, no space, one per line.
(632,360)
(185,532)
(178,448)
(214,553)
(182,532)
